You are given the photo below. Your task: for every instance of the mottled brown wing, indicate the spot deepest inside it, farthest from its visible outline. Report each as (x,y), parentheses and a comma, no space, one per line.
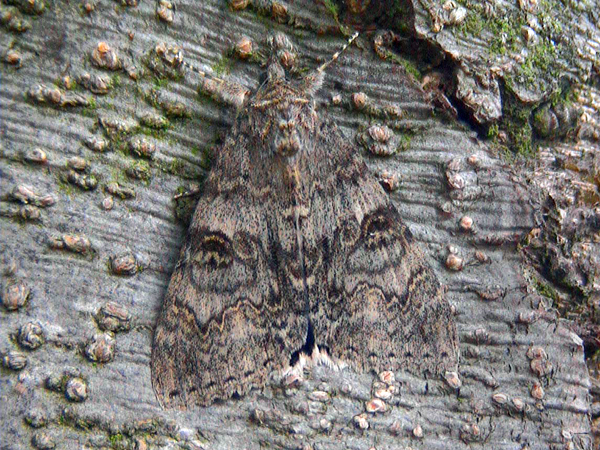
(227,320)
(379,306)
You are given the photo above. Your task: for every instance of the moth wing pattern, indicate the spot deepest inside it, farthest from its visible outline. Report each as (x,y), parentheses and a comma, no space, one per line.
(294,243)
(379,306)
(226,322)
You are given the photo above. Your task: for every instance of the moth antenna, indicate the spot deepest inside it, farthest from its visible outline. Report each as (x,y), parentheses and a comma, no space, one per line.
(201,72)
(221,90)
(337,54)
(314,80)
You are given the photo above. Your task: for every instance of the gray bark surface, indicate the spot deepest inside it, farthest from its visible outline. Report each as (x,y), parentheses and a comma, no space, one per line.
(502,322)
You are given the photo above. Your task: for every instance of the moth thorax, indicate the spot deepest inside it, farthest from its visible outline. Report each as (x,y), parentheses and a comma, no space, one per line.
(287,141)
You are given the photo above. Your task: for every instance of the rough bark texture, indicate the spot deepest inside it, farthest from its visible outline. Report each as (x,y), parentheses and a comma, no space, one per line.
(522,382)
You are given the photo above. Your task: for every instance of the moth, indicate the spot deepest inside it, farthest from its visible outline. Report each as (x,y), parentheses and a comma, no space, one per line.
(294,244)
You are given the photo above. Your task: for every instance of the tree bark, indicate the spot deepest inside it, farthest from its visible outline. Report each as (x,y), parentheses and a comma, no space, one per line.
(102,96)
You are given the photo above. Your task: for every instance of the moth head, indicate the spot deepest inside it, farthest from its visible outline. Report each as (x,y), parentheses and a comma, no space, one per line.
(285,114)
(284,109)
